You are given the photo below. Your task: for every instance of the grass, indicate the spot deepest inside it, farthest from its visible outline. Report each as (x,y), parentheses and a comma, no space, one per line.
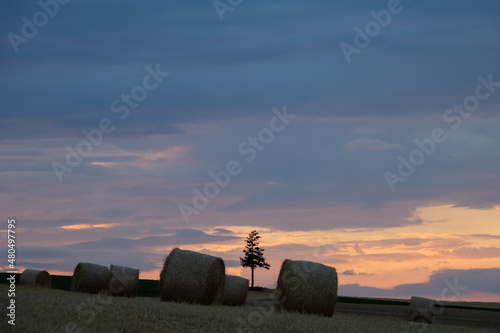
(49,310)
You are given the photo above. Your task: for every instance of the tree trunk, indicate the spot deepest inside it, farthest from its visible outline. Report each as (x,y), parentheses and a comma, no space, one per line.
(252,276)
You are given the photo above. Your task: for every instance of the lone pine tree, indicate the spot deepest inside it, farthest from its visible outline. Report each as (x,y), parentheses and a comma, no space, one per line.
(254,255)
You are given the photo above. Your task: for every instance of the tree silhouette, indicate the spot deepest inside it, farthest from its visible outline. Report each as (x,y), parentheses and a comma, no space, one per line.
(254,255)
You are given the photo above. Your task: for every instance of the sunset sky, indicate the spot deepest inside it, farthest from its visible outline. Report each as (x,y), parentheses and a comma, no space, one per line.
(364,136)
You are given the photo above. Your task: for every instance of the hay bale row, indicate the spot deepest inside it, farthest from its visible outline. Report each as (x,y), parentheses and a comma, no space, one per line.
(188,276)
(422,310)
(235,290)
(89,278)
(34,277)
(118,280)
(310,287)
(192,277)
(307,287)
(123,281)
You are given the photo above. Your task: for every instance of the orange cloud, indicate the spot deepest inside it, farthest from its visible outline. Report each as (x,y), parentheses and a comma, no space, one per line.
(87,226)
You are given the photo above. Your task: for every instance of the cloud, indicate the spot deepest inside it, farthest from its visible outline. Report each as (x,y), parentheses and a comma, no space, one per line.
(358,249)
(447,284)
(117,212)
(221,231)
(180,237)
(29,223)
(107,65)
(486,236)
(475,252)
(64,258)
(232,263)
(44,253)
(418,269)
(39,265)
(355,290)
(348,272)
(366,130)
(352,272)
(323,172)
(370,145)
(436,243)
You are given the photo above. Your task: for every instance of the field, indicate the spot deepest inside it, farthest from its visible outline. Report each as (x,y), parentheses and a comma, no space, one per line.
(50,310)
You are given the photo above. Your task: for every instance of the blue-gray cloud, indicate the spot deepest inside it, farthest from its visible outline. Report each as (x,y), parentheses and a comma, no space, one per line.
(238,62)
(443,285)
(179,237)
(225,78)
(352,272)
(232,263)
(221,231)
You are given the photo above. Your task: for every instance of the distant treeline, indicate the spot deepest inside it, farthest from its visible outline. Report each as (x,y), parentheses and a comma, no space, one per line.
(149,288)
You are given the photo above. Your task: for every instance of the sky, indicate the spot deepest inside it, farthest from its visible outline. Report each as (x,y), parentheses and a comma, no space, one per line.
(364,136)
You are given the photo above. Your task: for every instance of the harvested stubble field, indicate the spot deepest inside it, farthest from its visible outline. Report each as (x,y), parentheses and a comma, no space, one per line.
(49,310)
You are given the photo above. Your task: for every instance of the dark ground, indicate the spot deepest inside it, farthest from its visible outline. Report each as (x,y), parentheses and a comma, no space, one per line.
(487,315)
(449,316)
(458,313)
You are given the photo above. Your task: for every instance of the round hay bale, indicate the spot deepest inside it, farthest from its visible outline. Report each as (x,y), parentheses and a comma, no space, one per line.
(35,278)
(192,277)
(235,290)
(306,287)
(123,281)
(422,310)
(89,278)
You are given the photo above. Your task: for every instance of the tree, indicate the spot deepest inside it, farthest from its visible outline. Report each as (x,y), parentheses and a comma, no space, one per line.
(254,255)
